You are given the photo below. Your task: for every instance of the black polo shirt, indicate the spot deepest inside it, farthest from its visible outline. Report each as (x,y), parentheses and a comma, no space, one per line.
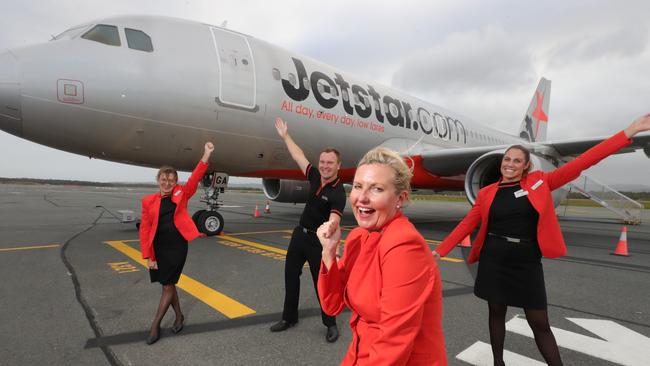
(322,200)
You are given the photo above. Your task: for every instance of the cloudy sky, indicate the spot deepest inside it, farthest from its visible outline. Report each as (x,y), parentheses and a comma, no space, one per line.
(482,59)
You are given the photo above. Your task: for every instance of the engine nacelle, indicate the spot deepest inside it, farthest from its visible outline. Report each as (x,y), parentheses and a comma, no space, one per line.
(487,170)
(283,190)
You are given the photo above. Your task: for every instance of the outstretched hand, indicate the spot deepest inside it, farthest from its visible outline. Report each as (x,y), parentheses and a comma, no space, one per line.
(281,126)
(640,124)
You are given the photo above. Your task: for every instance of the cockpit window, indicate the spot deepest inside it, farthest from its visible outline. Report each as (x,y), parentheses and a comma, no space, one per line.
(103,33)
(138,40)
(71,33)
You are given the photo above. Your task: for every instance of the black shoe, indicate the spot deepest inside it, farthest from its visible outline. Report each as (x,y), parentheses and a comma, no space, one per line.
(332,333)
(282,325)
(151,339)
(178,328)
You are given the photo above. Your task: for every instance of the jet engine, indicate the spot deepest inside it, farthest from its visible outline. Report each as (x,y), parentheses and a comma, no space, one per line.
(284,190)
(487,170)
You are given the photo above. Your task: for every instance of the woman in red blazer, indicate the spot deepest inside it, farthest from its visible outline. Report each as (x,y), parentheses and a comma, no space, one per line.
(165,229)
(386,276)
(518,226)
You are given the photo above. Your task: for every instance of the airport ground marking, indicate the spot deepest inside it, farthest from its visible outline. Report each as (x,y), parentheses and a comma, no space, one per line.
(216,300)
(253,244)
(616,344)
(123,267)
(30,247)
(259,232)
(480,354)
(253,250)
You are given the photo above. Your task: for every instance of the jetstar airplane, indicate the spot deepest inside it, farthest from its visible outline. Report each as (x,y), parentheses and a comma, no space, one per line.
(150,90)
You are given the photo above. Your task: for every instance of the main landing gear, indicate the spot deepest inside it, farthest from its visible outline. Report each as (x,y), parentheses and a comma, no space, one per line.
(210,222)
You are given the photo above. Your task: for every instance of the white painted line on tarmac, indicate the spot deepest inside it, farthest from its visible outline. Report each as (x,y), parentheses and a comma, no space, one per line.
(620,345)
(480,354)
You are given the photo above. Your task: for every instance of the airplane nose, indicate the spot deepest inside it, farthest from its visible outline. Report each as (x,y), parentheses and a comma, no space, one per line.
(10,104)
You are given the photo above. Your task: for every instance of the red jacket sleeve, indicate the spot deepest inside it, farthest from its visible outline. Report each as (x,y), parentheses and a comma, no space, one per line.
(145,228)
(571,170)
(331,283)
(406,286)
(330,289)
(193,182)
(464,228)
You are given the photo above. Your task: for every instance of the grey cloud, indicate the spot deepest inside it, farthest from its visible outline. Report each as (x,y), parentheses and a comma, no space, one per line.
(478,60)
(627,41)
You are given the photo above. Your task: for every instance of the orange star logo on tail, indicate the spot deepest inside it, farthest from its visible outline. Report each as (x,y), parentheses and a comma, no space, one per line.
(538,113)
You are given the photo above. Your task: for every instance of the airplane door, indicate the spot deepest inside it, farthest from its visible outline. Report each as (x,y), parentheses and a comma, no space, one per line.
(237,83)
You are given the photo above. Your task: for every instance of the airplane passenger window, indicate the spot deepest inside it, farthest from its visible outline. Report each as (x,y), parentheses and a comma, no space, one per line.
(292,79)
(138,40)
(102,33)
(305,83)
(276,74)
(346,97)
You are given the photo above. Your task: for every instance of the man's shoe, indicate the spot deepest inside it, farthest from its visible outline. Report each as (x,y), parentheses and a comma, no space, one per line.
(332,333)
(282,325)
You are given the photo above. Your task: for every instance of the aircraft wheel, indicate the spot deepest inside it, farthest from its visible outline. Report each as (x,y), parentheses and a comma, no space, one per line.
(210,223)
(195,216)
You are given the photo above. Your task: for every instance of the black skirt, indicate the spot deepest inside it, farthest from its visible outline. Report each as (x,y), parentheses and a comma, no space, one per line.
(511,274)
(171,253)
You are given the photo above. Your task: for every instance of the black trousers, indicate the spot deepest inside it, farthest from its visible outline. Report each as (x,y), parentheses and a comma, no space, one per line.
(304,247)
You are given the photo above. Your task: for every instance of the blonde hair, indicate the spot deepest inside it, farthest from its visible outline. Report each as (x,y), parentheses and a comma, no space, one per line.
(167,170)
(390,158)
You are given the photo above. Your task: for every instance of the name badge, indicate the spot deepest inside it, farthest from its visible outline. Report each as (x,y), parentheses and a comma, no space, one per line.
(177,193)
(537,184)
(521,193)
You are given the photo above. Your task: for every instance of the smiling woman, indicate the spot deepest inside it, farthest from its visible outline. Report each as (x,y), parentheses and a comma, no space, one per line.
(391,282)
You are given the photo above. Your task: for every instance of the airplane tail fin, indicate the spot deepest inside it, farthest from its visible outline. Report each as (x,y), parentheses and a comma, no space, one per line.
(533,127)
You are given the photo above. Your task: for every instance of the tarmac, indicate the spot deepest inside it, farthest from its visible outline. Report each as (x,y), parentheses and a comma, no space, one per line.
(75,291)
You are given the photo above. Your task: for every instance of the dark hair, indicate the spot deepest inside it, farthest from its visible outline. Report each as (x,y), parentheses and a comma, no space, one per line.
(166,170)
(332,150)
(526,155)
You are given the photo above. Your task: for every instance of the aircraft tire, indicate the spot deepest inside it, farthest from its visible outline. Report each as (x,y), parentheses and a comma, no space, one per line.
(195,216)
(210,223)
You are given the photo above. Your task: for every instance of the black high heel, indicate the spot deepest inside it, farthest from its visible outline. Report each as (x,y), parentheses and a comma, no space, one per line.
(153,339)
(178,328)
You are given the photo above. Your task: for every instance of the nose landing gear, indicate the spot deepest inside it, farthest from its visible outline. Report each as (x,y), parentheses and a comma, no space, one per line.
(210,222)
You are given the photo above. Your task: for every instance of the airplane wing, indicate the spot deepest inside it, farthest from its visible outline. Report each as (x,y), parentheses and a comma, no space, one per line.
(573,147)
(449,162)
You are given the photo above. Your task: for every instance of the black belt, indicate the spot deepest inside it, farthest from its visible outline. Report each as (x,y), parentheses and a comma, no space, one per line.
(307,231)
(511,239)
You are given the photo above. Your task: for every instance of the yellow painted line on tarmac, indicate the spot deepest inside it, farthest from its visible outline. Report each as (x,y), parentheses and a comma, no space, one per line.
(260,232)
(30,247)
(253,244)
(216,300)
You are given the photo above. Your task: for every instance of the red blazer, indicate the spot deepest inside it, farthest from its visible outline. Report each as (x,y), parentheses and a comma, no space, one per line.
(539,185)
(391,283)
(151,208)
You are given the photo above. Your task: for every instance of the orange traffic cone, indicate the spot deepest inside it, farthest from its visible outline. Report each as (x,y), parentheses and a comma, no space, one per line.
(465,243)
(267,208)
(621,247)
(256,213)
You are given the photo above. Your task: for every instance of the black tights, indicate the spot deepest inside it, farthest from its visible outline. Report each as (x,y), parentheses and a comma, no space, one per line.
(169,297)
(538,322)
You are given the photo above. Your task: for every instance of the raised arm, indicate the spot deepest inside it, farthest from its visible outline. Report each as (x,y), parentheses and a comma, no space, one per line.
(199,171)
(571,170)
(296,152)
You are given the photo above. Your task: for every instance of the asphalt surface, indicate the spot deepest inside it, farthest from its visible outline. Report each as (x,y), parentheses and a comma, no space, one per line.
(70,298)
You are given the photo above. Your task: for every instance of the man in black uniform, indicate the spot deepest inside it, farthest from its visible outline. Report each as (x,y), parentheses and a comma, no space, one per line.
(325,203)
